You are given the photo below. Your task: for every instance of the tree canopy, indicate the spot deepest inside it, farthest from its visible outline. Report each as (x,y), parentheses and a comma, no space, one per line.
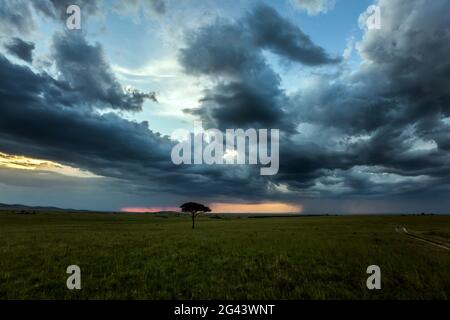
(194,209)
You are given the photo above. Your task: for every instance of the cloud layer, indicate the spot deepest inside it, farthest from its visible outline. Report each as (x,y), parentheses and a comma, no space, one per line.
(380,131)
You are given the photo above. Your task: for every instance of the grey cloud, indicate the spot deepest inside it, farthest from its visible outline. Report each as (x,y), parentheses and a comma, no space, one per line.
(271,31)
(393,112)
(247,93)
(85,69)
(21,49)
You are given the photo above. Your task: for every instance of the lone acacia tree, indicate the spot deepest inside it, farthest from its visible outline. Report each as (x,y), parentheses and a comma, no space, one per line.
(194,209)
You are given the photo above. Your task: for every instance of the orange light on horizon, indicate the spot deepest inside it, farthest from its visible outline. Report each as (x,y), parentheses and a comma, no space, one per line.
(268,207)
(148,209)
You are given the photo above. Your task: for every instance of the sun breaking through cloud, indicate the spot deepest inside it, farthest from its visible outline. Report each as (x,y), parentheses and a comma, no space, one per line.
(25,163)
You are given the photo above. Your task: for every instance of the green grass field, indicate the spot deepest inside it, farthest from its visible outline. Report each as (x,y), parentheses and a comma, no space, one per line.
(132,256)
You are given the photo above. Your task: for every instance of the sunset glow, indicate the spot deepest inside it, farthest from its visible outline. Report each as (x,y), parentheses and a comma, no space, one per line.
(148,209)
(220,207)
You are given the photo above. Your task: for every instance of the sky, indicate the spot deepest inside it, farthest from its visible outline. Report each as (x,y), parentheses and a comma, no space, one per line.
(87,116)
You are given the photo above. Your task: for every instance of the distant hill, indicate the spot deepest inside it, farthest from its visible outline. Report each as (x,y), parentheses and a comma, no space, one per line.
(21,207)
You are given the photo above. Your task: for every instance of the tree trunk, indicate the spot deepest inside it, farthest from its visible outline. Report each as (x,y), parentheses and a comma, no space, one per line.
(193,220)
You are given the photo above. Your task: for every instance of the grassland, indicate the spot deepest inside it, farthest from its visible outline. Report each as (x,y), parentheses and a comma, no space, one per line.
(132,256)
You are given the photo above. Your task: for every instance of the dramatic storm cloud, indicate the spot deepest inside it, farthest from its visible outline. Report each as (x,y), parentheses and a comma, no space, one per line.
(378,131)
(355,137)
(391,116)
(247,93)
(48,119)
(45,123)
(85,69)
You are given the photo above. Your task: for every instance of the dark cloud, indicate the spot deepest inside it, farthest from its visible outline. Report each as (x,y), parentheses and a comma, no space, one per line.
(84,68)
(56,119)
(218,49)
(240,105)
(247,93)
(36,121)
(21,49)
(271,31)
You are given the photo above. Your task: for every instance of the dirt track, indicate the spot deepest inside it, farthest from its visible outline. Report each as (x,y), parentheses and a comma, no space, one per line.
(436,244)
